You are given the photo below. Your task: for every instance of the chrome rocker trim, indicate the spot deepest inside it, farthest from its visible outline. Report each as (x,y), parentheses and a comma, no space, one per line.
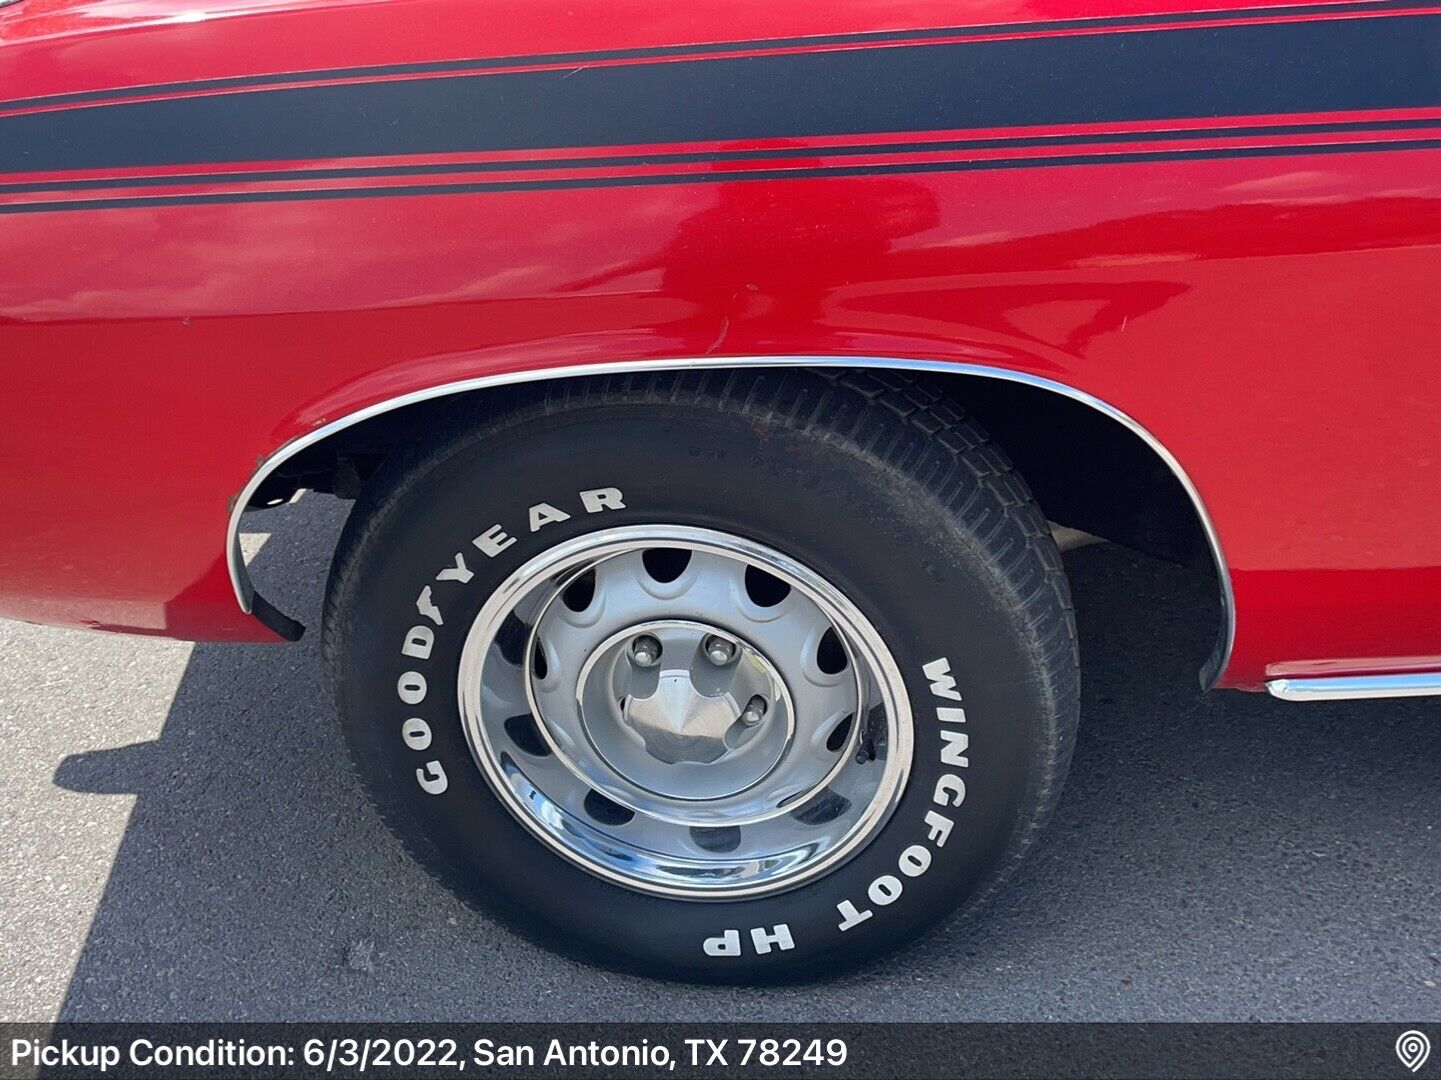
(1357,687)
(249,601)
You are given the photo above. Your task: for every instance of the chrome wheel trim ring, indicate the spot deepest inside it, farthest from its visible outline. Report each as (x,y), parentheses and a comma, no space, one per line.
(546,788)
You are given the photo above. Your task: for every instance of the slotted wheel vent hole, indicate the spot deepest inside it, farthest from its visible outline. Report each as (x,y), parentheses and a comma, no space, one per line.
(718,839)
(873,736)
(827,806)
(604,811)
(840,733)
(510,639)
(580,592)
(538,663)
(831,654)
(665,564)
(765,590)
(526,735)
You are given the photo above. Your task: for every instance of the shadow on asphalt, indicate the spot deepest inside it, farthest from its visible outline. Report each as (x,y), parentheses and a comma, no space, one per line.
(1216,856)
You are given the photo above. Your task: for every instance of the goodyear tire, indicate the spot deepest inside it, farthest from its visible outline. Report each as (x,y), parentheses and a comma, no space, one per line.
(732,676)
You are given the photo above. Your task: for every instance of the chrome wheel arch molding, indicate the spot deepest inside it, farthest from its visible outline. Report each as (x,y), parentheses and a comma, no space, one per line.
(250,602)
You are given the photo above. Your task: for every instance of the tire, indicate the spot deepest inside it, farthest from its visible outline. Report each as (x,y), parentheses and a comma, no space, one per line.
(879,490)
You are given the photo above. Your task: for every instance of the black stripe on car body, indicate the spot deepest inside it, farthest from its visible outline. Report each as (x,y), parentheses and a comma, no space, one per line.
(701,49)
(663,158)
(654,179)
(1309,66)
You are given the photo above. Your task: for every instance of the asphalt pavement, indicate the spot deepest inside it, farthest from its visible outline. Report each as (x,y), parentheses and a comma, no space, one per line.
(183,839)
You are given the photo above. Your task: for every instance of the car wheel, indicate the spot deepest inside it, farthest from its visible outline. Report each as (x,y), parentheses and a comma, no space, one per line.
(734,676)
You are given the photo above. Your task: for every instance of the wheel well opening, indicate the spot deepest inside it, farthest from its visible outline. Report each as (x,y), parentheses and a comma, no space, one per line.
(1086,469)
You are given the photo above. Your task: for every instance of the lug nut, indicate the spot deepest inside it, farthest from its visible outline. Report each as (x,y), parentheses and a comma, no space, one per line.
(754,712)
(719,650)
(645,651)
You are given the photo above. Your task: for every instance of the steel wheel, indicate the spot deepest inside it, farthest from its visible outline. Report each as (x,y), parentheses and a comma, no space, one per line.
(685,712)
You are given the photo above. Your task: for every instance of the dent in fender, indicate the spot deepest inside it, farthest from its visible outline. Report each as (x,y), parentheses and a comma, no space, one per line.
(254,604)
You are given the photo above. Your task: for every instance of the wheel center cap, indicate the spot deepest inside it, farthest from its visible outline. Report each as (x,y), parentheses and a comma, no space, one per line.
(679,723)
(685,710)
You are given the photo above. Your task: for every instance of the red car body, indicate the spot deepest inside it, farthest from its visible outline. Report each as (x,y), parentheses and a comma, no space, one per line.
(228,227)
